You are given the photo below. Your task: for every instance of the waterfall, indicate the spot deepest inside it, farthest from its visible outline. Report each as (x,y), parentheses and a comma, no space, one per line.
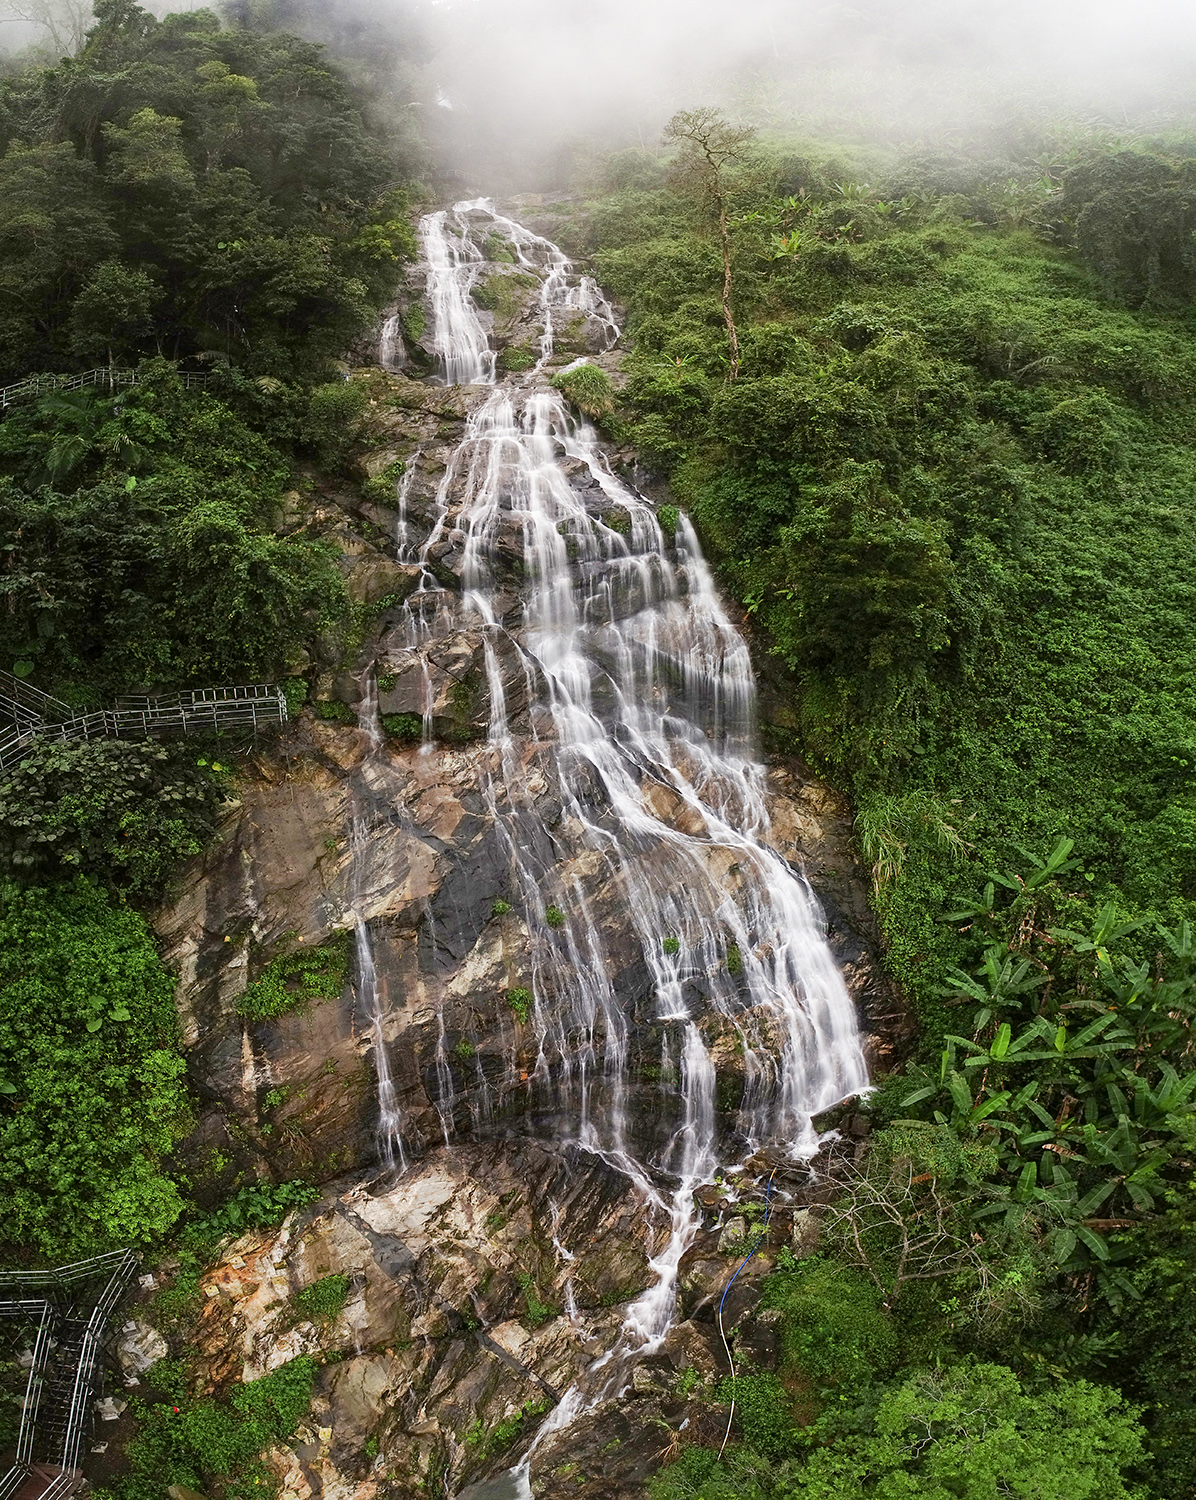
(640,723)
(391,353)
(389,1132)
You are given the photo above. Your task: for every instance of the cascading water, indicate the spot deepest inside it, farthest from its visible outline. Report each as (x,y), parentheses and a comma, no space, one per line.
(639,722)
(391,353)
(389,1134)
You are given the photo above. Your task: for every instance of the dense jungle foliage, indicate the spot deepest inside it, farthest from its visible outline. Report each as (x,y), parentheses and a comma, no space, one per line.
(951,482)
(181,193)
(185,193)
(187,188)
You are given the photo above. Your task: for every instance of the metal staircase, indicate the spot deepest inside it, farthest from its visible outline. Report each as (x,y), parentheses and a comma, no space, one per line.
(62,1315)
(28,715)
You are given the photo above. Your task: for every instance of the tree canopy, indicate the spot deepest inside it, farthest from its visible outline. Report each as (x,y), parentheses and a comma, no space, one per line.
(188,189)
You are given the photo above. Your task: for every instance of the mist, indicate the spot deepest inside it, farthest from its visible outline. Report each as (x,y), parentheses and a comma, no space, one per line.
(514,91)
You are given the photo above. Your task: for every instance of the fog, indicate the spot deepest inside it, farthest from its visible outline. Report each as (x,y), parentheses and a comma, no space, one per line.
(514,90)
(516,94)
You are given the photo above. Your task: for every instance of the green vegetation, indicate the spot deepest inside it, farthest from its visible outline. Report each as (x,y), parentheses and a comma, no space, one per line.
(324,1300)
(537,1312)
(671,945)
(516,358)
(668,517)
(293,980)
(968,1433)
(504,1433)
(333,711)
(500,908)
(91,1089)
(409,728)
(193,188)
(937,433)
(137,535)
(207,1441)
(520,1001)
(123,814)
(554,916)
(504,295)
(589,388)
(257,1205)
(382,488)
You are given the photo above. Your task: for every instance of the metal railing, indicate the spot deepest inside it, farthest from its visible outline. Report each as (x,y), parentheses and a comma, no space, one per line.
(64,1365)
(32,700)
(134,717)
(42,385)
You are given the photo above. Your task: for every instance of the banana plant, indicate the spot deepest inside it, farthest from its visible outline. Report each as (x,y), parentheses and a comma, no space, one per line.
(1042,871)
(1106,929)
(1001,983)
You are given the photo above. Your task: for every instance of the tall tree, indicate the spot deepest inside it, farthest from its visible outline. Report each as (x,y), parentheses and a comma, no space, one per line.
(710,145)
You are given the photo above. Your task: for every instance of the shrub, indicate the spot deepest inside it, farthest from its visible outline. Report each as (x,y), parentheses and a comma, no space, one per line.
(554,916)
(405,727)
(121,813)
(324,1300)
(333,711)
(292,980)
(259,1205)
(516,357)
(382,486)
(520,1001)
(833,1327)
(763,1412)
(92,1096)
(500,908)
(668,518)
(973,1432)
(589,388)
(193,1443)
(671,945)
(334,414)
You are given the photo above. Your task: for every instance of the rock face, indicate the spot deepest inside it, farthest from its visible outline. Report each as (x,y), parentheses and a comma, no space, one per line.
(442,809)
(299,1091)
(481,1287)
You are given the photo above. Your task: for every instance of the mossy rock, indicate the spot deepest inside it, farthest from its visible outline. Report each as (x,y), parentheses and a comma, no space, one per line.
(615,1272)
(515,358)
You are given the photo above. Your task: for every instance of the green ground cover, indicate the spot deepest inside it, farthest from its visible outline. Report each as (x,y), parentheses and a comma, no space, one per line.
(951,479)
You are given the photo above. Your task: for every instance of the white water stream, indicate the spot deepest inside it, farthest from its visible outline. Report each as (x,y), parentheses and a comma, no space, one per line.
(640,726)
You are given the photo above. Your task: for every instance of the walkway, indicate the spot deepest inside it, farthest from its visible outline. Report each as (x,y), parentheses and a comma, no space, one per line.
(32,715)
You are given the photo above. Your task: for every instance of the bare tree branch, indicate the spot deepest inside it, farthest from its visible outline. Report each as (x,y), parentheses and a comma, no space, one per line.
(65,22)
(710,143)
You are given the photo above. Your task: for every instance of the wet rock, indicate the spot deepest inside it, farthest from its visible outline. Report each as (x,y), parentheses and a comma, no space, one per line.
(453,1327)
(732,1237)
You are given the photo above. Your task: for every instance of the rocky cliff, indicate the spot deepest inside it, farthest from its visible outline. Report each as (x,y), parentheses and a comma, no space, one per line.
(493,1267)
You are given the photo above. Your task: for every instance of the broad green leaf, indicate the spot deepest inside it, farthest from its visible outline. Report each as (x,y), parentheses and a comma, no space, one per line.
(1091,1201)
(1094,1242)
(1063,1242)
